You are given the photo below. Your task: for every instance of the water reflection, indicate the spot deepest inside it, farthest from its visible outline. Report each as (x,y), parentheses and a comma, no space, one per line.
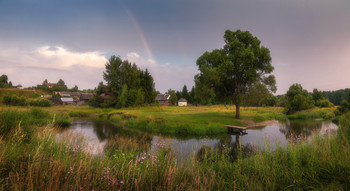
(104,137)
(303,128)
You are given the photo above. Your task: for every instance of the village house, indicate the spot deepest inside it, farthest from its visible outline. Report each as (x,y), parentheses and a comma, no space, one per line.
(163,99)
(86,96)
(182,102)
(74,95)
(67,100)
(77,94)
(50,85)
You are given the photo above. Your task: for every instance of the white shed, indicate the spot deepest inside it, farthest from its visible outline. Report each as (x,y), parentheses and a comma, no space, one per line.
(182,102)
(67,100)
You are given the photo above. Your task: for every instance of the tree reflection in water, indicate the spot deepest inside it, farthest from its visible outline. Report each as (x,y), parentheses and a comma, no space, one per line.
(119,138)
(299,128)
(111,138)
(226,147)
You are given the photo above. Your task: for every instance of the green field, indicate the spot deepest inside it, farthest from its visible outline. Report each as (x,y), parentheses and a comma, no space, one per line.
(201,120)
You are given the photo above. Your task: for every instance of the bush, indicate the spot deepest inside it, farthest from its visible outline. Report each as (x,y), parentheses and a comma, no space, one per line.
(96,101)
(39,117)
(36,95)
(14,100)
(324,103)
(40,102)
(298,99)
(62,120)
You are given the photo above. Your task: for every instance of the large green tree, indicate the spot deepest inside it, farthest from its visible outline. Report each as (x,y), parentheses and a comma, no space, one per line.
(127,84)
(230,71)
(298,99)
(259,95)
(173,97)
(60,86)
(3,81)
(185,93)
(148,86)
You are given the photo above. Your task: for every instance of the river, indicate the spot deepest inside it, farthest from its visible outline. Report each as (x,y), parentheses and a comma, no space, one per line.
(101,135)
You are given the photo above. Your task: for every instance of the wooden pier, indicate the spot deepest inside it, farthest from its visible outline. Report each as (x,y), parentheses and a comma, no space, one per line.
(233,128)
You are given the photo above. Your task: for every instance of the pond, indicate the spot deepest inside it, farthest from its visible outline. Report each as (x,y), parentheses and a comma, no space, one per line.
(101,136)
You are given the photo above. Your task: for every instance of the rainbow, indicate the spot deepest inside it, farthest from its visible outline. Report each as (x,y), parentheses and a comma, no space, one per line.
(143,38)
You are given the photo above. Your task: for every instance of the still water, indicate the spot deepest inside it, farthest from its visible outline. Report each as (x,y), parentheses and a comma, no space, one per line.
(101,135)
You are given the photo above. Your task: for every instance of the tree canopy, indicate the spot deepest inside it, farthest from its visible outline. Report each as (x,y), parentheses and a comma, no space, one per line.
(173,97)
(336,97)
(298,99)
(259,95)
(3,81)
(127,85)
(227,74)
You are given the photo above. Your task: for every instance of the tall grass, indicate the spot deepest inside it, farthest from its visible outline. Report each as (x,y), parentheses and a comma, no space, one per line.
(47,163)
(322,113)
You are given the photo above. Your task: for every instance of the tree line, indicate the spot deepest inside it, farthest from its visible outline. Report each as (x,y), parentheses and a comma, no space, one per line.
(127,85)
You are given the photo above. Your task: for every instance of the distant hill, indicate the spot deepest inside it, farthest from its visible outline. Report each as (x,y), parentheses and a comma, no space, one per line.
(336,96)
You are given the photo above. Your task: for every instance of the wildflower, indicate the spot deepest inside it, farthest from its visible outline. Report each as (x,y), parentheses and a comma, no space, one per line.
(121,182)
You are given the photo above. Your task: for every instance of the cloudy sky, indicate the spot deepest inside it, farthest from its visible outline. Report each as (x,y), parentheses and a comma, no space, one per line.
(309,40)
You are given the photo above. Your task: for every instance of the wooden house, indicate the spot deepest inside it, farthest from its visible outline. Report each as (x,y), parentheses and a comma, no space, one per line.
(50,85)
(86,96)
(163,99)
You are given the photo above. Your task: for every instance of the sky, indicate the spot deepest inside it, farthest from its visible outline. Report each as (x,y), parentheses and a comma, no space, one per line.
(72,40)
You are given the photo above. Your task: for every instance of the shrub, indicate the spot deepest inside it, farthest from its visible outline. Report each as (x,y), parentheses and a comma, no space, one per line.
(14,100)
(40,102)
(96,101)
(324,103)
(62,120)
(36,95)
(39,117)
(298,99)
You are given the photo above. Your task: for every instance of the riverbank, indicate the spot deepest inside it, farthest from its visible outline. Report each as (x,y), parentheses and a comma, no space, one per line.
(314,113)
(201,120)
(31,158)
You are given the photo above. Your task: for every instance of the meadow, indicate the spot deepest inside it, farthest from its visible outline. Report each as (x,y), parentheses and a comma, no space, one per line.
(32,158)
(194,120)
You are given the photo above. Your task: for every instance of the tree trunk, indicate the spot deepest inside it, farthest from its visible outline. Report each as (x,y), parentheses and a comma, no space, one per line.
(237,111)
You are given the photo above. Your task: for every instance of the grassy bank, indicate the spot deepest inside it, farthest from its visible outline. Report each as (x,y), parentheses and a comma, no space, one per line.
(32,158)
(315,113)
(201,120)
